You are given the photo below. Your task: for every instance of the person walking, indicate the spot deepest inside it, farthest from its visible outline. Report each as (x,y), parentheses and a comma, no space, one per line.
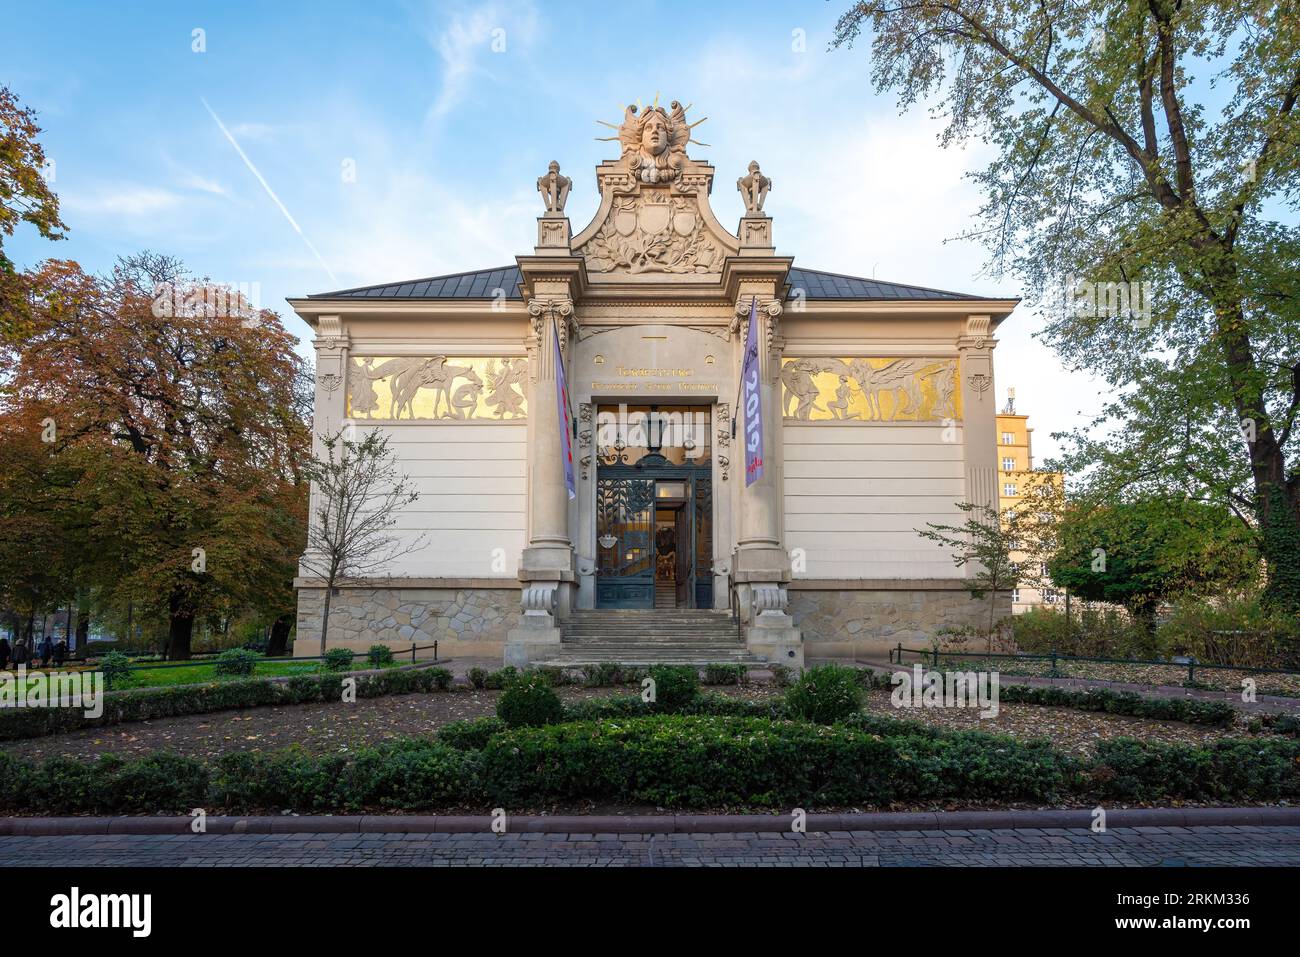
(46,651)
(20,652)
(6,652)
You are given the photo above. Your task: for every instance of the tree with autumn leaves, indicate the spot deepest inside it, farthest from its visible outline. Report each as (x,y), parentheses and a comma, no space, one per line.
(160,426)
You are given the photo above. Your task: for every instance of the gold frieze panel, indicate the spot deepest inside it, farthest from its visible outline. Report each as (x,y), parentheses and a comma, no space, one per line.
(870,390)
(437,387)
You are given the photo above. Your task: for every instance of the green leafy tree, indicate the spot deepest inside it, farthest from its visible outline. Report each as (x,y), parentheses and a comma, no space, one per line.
(1109,172)
(1144,553)
(984,542)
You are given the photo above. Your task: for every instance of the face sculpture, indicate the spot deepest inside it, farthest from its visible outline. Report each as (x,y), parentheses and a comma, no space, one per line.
(654,135)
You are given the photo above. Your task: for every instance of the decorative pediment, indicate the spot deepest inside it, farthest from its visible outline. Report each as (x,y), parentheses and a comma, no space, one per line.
(654,216)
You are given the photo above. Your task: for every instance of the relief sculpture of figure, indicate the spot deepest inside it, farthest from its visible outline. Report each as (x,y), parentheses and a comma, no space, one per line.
(843,397)
(464,400)
(797,378)
(501,384)
(362,399)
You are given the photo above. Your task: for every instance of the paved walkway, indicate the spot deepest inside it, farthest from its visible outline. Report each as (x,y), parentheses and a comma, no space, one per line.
(1119,847)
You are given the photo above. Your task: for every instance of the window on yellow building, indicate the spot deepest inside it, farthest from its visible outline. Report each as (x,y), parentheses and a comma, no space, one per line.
(1008,464)
(1008,438)
(1008,488)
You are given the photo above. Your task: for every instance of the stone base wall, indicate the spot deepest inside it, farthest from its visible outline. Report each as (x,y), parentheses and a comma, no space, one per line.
(466,622)
(846,620)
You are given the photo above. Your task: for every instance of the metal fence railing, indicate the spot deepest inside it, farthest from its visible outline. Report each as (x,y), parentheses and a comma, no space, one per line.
(1191,664)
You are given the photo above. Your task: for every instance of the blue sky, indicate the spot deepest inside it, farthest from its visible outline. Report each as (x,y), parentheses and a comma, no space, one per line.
(447,133)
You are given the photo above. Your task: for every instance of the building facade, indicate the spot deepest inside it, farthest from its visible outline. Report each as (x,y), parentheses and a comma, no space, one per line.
(878,415)
(1022,486)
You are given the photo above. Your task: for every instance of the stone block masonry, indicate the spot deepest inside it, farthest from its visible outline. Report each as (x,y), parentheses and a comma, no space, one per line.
(839,621)
(466,620)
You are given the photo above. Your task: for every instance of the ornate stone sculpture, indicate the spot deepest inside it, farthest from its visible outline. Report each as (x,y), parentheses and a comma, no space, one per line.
(654,142)
(871,390)
(753,189)
(436,387)
(554,188)
(654,232)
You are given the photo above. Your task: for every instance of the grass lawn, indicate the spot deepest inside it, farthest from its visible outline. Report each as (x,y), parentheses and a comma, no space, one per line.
(202,672)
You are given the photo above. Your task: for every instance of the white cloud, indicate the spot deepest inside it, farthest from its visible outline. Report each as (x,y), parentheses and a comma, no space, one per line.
(127,201)
(466,43)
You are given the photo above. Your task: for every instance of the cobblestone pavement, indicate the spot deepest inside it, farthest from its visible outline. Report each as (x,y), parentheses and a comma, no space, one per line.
(1120,847)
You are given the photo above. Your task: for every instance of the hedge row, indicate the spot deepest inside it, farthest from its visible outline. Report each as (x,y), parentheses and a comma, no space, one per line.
(675,761)
(1188,710)
(169,702)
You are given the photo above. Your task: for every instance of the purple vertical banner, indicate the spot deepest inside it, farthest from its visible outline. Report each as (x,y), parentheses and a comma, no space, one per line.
(562,407)
(752,401)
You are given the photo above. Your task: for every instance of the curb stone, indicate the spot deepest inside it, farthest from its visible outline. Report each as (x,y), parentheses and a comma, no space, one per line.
(656,823)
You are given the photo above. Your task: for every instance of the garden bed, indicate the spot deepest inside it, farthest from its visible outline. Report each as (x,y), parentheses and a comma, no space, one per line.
(1170,676)
(671,761)
(325,727)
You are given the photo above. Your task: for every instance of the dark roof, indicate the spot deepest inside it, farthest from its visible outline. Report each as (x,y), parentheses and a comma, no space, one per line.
(482,283)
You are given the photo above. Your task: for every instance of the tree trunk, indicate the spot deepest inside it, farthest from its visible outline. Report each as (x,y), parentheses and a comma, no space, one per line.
(83,628)
(278,644)
(1277,500)
(325,619)
(180,630)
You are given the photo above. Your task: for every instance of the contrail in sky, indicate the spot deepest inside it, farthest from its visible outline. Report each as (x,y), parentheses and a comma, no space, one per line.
(270,192)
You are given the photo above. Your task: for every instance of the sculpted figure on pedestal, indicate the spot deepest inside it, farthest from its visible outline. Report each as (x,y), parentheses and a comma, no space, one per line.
(554,188)
(753,189)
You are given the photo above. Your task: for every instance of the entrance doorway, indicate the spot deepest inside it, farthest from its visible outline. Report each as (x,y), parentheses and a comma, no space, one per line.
(654,508)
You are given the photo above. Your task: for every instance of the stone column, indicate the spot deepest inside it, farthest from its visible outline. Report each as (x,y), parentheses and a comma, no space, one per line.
(546,566)
(979,412)
(762,567)
(329,408)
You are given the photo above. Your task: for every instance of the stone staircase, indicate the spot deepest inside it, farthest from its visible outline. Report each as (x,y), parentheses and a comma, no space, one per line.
(651,636)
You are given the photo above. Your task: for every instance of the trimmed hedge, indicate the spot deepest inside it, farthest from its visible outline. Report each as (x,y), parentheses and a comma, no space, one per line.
(1188,710)
(530,700)
(668,760)
(169,702)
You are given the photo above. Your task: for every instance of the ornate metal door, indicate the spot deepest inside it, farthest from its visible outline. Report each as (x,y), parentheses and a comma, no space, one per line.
(625,553)
(625,540)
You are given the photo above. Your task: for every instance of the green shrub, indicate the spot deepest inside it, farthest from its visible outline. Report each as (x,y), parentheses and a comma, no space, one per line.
(116,668)
(1241,633)
(558,677)
(675,686)
(688,761)
(478,678)
(1223,770)
(471,734)
(606,674)
(725,674)
(338,659)
(1188,710)
(782,675)
(529,701)
(380,655)
(441,678)
(236,661)
(825,694)
(501,678)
